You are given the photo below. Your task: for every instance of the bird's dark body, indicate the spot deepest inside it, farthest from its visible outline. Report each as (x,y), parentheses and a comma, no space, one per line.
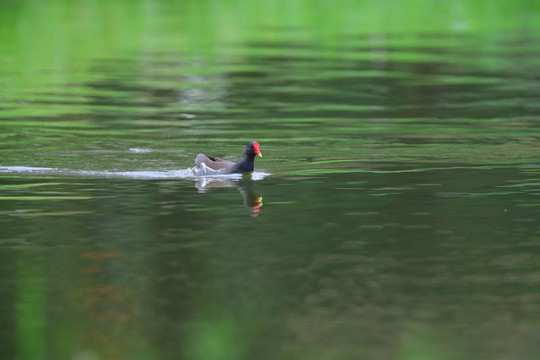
(244,165)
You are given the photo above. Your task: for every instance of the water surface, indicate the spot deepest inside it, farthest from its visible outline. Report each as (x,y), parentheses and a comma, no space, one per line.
(394,214)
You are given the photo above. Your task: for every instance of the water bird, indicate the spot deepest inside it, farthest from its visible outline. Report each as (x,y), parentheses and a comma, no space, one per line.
(210,165)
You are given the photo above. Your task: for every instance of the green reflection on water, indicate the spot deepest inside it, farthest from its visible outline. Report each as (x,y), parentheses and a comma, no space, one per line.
(392,265)
(31,310)
(215,340)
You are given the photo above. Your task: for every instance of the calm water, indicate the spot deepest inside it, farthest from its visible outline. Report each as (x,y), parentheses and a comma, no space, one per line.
(394,215)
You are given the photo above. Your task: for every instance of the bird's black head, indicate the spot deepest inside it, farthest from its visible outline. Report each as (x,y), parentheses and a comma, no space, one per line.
(252,149)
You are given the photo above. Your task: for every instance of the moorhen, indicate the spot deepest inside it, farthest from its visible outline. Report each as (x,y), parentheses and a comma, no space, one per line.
(209,165)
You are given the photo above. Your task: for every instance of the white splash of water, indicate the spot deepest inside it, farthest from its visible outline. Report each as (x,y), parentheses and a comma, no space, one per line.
(144,174)
(15,169)
(139,151)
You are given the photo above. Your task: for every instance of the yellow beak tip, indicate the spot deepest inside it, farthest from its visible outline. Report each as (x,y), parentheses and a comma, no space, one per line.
(259,155)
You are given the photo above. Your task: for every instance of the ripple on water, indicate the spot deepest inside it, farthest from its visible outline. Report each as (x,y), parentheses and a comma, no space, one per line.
(143,174)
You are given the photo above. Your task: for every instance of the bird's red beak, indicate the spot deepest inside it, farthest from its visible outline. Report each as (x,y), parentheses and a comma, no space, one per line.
(257,149)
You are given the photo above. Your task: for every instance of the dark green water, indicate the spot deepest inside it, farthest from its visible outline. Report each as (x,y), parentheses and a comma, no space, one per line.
(394,215)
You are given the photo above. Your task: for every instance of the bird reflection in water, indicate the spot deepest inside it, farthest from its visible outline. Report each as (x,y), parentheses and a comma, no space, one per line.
(245,185)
